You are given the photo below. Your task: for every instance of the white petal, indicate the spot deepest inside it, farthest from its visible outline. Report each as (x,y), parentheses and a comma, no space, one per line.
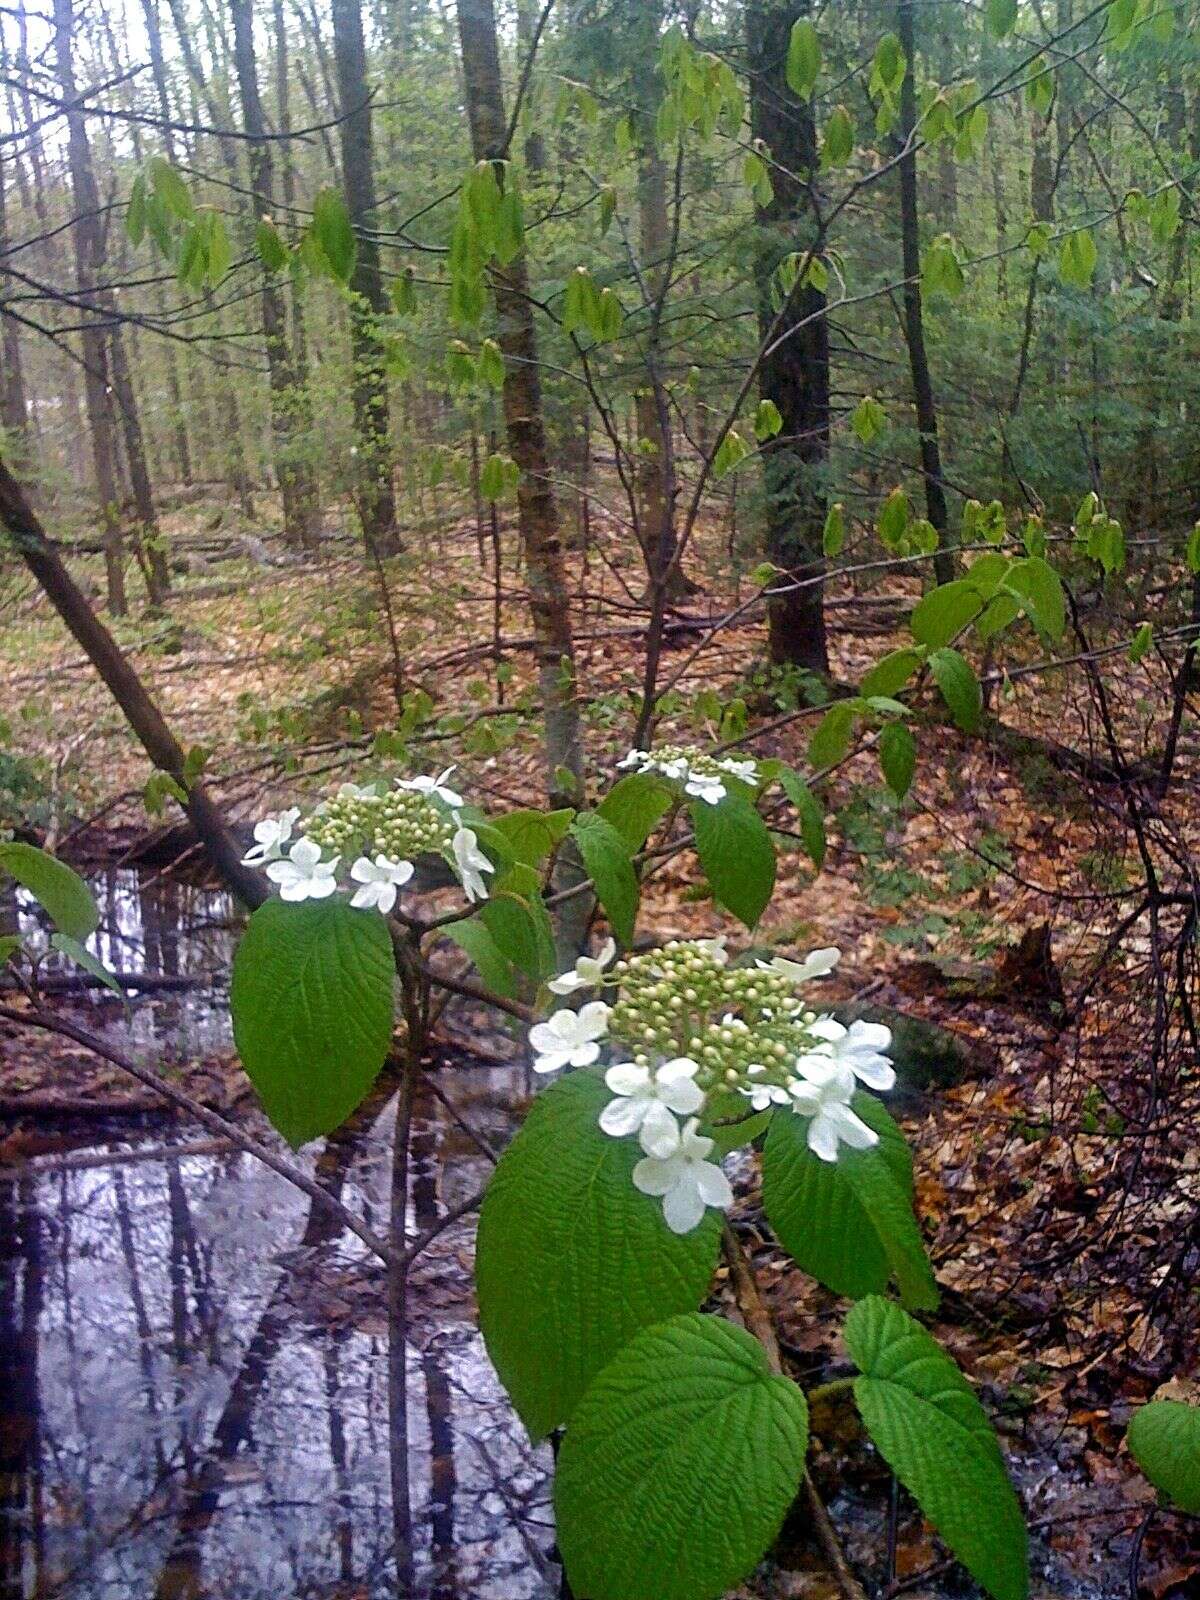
(544,1038)
(626,1077)
(875,1071)
(566,984)
(368,895)
(713,1185)
(385,897)
(305,852)
(295,890)
(282,872)
(827,1028)
(683,1208)
(623,1116)
(321,888)
(550,1062)
(851,1129)
(363,871)
(584,1054)
(564,1026)
(660,1131)
(593,1020)
(822,1138)
(607,951)
(807,1098)
(655,1177)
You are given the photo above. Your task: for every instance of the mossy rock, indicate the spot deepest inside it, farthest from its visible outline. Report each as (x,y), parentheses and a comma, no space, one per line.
(927,1058)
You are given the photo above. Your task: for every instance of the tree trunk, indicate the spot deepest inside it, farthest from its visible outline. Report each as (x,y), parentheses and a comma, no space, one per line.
(89,261)
(14,410)
(149,543)
(289,402)
(377,501)
(795,375)
(914,318)
(537,514)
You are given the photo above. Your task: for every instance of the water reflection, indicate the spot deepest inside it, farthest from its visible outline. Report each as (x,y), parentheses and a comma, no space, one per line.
(196,1366)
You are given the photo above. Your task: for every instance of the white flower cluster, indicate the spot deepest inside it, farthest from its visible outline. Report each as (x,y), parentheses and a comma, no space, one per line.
(702,776)
(380,831)
(701,1033)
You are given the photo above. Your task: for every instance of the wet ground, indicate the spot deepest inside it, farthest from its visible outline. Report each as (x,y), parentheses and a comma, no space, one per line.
(194,1364)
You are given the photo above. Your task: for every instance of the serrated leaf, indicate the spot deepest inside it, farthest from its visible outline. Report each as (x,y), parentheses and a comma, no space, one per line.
(889,675)
(679,1465)
(1001,17)
(571,1260)
(868,418)
(737,855)
(491,963)
(897,758)
(1040,591)
(635,805)
(312,1011)
(809,813)
(926,1422)
(944,612)
(61,893)
(838,144)
(1164,1440)
(767,420)
(831,738)
(607,858)
(1077,259)
(332,231)
(171,189)
(531,835)
(803,58)
(1192,551)
(833,535)
(848,1222)
(959,686)
(135,212)
(1141,642)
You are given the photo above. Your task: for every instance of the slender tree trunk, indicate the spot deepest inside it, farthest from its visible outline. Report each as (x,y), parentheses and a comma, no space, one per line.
(914,318)
(795,375)
(288,399)
(149,537)
(14,410)
(377,501)
(89,261)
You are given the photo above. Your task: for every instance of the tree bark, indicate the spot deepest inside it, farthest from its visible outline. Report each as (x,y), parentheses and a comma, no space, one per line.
(914,317)
(289,401)
(14,409)
(795,375)
(89,261)
(377,500)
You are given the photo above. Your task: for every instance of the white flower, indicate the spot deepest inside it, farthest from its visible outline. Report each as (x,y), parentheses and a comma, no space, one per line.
(815,965)
(356,791)
(763,1095)
(270,836)
(380,879)
(635,758)
(715,949)
(645,1102)
(746,770)
(685,1179)
(303,875)
(587,972)
(857,1048)
(824,1095)
(470,863)
(569,1039)
(434,786)
(705,787)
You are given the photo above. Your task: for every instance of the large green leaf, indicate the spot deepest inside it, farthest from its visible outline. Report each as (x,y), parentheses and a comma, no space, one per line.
(571,1259)
(531,835)
(332,230)
(607,856)
(931,1430)
(737,855)
(1040,591)
(1164,1440)
(312,1011)
(635,805)
(493,966)
(61,893)
(944,612)
(679,1465)
(956,679)
(849,1222)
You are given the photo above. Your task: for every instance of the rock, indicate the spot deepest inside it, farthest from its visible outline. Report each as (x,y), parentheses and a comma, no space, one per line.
(927,1057)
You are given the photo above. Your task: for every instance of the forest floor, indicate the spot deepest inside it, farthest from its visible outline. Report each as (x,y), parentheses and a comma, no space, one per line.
(1058,1200)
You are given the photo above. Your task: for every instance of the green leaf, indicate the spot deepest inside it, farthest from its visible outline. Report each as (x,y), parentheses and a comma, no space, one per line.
(890,674)
(803,58)
(838,145)
(635,805)
(580,310)
(1141,642)
(61,893)
(731,450)
(83,957)
(517,919)
(1001,17)
(572,1260)
(1040,591)
(312,1011)
(679,1465)
(833,536)
(868,418)
(531,835)
(607,856)
(944,612)
(809,813)
(332,231)
(897,758)
(1192,552)
(831,738)
(1077,259)
(942,268)
(135,212)
(848,1222)
(171,189)
(1164,1440)
(767,420)
(492,965)
(737,855)
(956,679)
(928,1425)
(893,520)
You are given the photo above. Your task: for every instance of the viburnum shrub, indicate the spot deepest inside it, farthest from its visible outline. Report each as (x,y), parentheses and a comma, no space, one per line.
(683,1443)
